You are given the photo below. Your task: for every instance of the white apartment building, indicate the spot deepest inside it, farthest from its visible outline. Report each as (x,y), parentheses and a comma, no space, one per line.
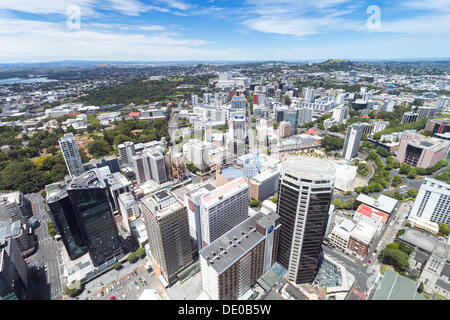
(433,201)
(379,126)
(310,94)
(194,100)
(353,140)
(71,155)
(126,152)
(197,152)
(223,208)
(340,113)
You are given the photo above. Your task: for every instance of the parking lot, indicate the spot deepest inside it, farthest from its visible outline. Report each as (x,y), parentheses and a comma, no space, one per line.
(130,287)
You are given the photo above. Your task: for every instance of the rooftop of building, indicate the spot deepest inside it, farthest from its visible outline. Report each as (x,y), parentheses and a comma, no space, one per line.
(397,287)
(55,191)
(425,242)
(200,190)
(117,180)
(383,203)
(373,213)
(231,246)
(89,179)
(267,174)
(126,197)
(153,201)
(225,190)
(9,229)
(429,144)
(232,172)
(15,196)
(307,167)
(363,232)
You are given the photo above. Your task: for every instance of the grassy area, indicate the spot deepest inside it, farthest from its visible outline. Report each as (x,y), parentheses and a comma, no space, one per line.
(385,267)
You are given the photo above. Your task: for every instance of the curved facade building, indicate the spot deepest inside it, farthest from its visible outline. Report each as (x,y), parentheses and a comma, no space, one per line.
(304,198)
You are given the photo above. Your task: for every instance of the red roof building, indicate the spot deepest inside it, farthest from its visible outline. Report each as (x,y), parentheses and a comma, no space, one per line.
(134,114)
(313,132)
(373,213)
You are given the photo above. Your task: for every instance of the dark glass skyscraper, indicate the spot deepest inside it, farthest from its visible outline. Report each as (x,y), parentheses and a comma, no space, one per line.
(84,218)
(304,198)
(63,215)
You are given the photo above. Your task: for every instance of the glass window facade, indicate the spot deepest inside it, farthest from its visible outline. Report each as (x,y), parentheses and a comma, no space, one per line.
(96,222)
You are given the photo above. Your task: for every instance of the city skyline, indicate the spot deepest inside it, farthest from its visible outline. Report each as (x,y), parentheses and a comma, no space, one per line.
(173,30)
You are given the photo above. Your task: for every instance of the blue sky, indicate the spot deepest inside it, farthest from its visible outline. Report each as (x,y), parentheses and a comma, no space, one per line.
(167,30)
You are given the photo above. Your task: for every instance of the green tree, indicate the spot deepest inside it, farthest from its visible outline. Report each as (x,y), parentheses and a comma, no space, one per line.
(140,252)
(404,168)
(51,229)
(412,193)
(397,180)
(338,203)
(132,257)
(120,138)
(420,288)
(52,149)
(74,289)
(117,265)
(444,229)
(395,258)
(412,173)
(255,203)
(99,148)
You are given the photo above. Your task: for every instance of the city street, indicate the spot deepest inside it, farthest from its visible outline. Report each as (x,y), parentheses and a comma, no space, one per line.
(48,254)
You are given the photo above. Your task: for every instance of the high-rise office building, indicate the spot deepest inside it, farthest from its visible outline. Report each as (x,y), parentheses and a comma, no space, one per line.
(64,217)
(265,184)
(285,129)
(223,208)
(194,100)
(71,155)
(126,152)
(207,98)
(304,199)
(13,270)
(238,126)
(197,152)
(305,115)
(89,198)
(83,216)
(340,114)
(150,165)
(167,226)
(353,140)
(419,151)
(409,117)
(433,201)
(238,102)
(425,112)
(380,126)
(310,94)
(233,263)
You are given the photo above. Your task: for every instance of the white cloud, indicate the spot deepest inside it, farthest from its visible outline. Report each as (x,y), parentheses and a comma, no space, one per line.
(300,18)
(176,4)
(151,28)
(438,5)
(428,25)
(88,7)
(45,41)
